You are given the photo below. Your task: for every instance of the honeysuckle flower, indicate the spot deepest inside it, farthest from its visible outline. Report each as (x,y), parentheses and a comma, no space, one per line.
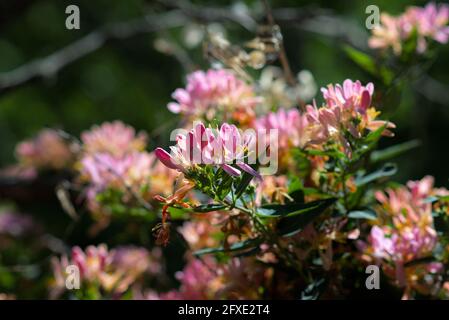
(104,170)
(199,281)
(272,189)
(290,124)
(114,138)
(404,231)
(114,271)
(204,146)
(429,22)
(351,95)
(212,92)
(201,233)
(389,33)
(131,174)
(206,279)
(347,108)
(48,150)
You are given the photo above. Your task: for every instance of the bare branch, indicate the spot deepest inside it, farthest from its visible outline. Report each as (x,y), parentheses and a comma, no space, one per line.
(212,14)
(52,64)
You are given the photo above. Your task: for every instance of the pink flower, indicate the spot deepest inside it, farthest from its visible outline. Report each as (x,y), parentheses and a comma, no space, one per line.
(104,170)
(114,138)
(47,150)
(206,279)
(347,108)
(390,33)
(212,92)
(405,231)
(203,145)
(429,22)
(199,281)
(290,124)
(352,95)
(112,270)
(129,174)
(201,233)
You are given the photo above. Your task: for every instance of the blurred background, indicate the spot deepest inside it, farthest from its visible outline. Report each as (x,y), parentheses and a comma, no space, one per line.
(145,47)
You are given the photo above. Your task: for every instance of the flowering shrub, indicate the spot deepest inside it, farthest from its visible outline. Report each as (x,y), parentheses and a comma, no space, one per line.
(421,25)
(272,193)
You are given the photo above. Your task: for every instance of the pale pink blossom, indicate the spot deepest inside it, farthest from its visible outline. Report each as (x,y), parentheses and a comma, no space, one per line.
(201,233)
(404,231)
(351,95)
(199,281)
(215,92)
(48,150)
(348,109)
(103,170)
(114,138)
(114,271)
(206,279)
(203,145)
(429,22)
(290,124)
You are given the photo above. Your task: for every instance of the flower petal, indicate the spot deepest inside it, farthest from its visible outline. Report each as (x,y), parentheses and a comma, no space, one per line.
(166,158)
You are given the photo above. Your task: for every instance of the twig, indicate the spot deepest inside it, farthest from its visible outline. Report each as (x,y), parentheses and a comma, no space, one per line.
(49,66)
(282,54)
(212,14)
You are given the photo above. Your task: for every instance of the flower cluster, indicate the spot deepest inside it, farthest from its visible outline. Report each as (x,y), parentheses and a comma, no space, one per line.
(105,271)
(48,150)
(215,93)
(205,146)
(114,159)
(114,138)
(347,109)
(206,279)
(428,23)
(405,232)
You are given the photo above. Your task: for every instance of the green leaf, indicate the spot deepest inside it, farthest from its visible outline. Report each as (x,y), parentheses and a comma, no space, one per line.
(293,223)
(367,214)
(209,207)
(178,213)
(244,183)
(387,170)
(248,244)
(296,190)
(290,209)
(374,136)
(367,63)
(394,151)
(331,153)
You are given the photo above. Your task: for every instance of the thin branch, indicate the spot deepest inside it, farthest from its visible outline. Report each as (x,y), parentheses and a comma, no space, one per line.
(49,66)
(282,54)
(212,14)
